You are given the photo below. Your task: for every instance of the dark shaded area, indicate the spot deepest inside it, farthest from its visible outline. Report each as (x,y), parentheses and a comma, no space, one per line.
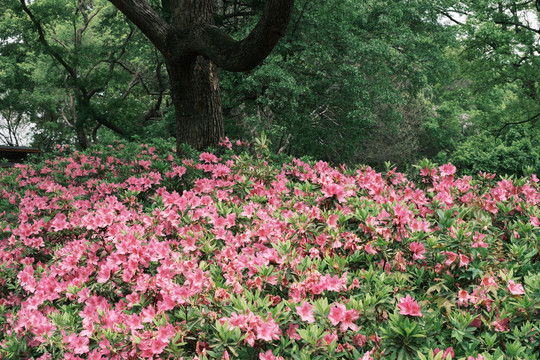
(16,154)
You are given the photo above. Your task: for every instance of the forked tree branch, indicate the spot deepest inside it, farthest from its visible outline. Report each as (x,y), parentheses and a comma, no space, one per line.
(208,40)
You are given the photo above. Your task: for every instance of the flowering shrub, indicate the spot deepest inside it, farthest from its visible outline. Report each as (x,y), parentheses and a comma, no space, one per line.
(128,252)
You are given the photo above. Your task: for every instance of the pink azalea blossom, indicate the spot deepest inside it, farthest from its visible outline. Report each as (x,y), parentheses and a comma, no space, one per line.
(337,313)
(330,337)
(450,257)
(489,281)
(367,355)
(292,332)
(463,261)
(418,250)
(501,325)
(448,351)
(268,355)
(515,289)
(463,297)
(306,312)
(348,321)
(408,306)
(268,331)
(78,344)
(447,170)
(479,357)
(333,189)
(369,249)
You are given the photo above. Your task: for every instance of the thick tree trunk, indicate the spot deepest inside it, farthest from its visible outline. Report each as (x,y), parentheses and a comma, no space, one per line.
(194,81)
(197,101)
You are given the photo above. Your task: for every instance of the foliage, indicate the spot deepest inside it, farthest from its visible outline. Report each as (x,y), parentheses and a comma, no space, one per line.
(515,154)
(90,69)
(495,85)
(346,73)
(128,252)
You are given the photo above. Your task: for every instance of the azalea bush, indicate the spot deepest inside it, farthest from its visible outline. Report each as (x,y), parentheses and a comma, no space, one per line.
(130,252)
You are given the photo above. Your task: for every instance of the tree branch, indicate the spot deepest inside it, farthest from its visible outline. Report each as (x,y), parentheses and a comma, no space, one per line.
(513,23)
(147,19)
(45,43)
(450,17)
(232,55)
(532,118)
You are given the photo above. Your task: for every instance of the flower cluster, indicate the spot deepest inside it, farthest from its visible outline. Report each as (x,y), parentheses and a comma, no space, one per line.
(128,252)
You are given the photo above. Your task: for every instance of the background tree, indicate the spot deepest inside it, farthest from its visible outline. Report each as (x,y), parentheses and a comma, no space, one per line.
(495,91)
(16,106)
(349,83)
(84,66)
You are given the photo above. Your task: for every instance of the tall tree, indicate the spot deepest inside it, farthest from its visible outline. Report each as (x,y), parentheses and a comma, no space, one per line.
(194,48)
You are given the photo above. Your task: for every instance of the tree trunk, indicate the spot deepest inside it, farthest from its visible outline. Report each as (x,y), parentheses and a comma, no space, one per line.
(194,81)
(197,101)
(80,118)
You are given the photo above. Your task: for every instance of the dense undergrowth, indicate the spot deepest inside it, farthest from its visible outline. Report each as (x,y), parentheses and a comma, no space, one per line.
(128,252)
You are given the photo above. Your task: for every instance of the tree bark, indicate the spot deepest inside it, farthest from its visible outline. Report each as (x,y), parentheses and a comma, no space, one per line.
(197,101)
(194,48)
(194,81)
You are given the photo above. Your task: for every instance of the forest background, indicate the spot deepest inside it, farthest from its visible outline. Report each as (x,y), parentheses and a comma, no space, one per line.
(352,82)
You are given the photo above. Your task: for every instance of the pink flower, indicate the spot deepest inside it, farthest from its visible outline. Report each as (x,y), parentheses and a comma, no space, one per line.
(448,351)
(337,313)
(418,250)
(292,333)
(268,331)
(515,289)
(463,261)
(208,158)
(501,325)
(480,357)
(78,344)
(369,249)
(348,322)
(306,312)
(165,333)
(408,306)
(463,298)
(157,346)
(450,257)
(367,356)
(447,170)
(333,189)
(329,338)
(269,356)
(489,281)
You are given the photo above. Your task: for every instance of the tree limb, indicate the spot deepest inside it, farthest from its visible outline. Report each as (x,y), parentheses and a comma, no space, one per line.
(232,55)
(45,43)
(517,24)
(450,17)
(147,19)
(532,118)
